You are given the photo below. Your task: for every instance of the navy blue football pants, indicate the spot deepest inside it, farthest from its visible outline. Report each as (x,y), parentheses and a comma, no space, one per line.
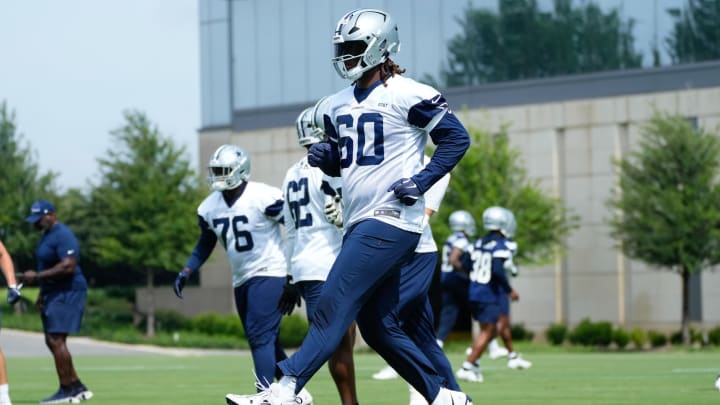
(416,315)
(455,287)
(364,285)
(256,303)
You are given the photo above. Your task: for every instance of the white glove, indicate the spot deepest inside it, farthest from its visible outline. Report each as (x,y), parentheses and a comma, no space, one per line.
(334,210)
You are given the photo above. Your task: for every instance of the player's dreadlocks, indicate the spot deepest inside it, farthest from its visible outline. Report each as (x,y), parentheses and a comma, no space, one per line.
(389,68)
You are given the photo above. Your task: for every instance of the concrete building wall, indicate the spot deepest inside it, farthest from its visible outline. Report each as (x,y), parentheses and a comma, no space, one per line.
(567,147)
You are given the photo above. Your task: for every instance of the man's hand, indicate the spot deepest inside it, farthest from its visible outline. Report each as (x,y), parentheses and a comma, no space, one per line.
(289,299)
(29,276)
(334,210)
(318,154)
(406,191)
(514,295)
(180,282)
(13,294)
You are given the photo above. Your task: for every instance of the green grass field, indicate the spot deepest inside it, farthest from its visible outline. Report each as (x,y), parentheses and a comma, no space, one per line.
(557,377)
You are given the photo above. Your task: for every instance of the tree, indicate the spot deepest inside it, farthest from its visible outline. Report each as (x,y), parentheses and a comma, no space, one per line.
(490,174)
(666,205)
(522,42)
(696,32)
(22,183)
(144,203)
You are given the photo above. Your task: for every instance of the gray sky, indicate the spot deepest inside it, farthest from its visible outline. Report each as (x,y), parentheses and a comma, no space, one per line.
(69,68)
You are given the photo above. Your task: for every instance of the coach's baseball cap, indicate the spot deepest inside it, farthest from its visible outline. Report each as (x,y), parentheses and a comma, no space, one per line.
(38,209)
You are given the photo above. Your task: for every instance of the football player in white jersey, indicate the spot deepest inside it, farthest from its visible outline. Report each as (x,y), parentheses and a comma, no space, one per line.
(245,217)
(454,276)
(313,220)
(377,130)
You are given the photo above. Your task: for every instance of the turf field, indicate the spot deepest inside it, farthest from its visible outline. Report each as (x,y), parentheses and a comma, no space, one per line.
(557,377)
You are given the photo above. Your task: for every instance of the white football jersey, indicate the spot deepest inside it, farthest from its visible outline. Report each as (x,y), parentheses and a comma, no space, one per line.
(313,242)
(253,241)
(458,240)
(433,198)
(379,146)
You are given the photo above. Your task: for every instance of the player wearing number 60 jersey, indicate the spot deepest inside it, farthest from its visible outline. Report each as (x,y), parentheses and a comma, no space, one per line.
(245,217)
(377,130)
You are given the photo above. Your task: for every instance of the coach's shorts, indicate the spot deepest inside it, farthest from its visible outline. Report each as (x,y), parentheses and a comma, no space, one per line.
(63,311)
(484,312)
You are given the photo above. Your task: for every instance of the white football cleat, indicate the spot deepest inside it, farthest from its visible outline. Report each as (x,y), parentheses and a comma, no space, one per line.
(497,353)
(518,363)
(717,383)
(416,398)
(275,394)
(449,397)
(468,351)
(305,396)
(387,373)
(470,372)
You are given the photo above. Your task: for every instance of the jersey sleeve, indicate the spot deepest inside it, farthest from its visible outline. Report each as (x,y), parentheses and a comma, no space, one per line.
(271,200)
(425,106)
(67,245)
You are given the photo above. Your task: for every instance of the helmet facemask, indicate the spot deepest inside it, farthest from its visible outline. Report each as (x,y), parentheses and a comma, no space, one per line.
(307,132)
(363,39)
(229,167)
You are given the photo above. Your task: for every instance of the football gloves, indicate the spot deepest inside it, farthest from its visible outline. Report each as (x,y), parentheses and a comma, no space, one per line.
(180,282)
(289,299)
(334,210)
(406,191)
(13,295)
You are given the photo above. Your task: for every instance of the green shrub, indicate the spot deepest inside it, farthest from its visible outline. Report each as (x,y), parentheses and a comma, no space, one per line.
(638,337)
(518,331)
(556,333)
(588,333)
(714,336)
(620,337)
(293,329)
(657,339)
(696,336)
(170,321)
(215,324)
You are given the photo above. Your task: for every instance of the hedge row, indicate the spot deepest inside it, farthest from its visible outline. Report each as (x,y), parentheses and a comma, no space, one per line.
(602,334)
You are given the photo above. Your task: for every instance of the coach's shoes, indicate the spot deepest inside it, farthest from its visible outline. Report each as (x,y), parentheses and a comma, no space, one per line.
(387,373)
(495,351)
(450,397)
(517,363)
(470,372)
(275,394)
(80,392)
(62,396)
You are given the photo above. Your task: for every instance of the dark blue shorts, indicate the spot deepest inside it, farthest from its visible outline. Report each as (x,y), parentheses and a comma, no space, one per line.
(485,312)
(63,311)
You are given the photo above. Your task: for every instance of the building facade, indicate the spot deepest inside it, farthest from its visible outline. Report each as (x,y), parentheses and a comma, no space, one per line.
(567,129)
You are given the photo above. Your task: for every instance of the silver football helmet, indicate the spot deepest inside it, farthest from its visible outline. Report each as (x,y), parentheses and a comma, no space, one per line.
(318,113)
(510,224)
(229,167)
(367,36)
(462,221)
(307,132)
(494,218)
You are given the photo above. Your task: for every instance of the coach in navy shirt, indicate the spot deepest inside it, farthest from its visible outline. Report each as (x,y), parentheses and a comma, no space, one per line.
(61,301)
